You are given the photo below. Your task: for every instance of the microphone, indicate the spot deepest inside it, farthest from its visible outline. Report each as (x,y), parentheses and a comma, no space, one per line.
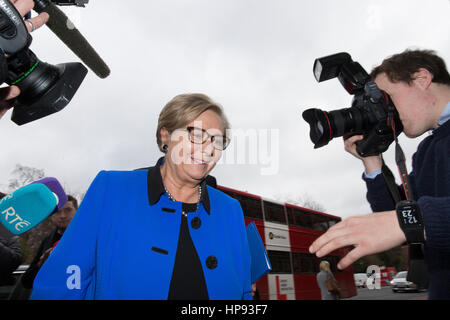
(60,24)
(27,207)
(57,189)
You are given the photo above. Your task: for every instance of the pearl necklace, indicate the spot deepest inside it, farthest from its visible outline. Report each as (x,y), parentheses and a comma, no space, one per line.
(173,199)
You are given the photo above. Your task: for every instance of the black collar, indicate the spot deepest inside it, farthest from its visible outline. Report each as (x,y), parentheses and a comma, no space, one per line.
(155,186)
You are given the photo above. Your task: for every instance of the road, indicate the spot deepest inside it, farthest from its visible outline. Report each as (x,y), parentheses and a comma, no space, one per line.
(385,293)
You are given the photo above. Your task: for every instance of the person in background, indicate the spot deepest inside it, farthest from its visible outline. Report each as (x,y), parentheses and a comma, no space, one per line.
(255,292)
(326,281)
(61,220)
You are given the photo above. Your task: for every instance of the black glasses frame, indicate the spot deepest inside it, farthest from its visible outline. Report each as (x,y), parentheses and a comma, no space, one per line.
(206,136)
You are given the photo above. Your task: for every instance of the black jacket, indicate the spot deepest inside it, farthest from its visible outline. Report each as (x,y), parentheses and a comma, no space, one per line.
(10,255)
(30,274)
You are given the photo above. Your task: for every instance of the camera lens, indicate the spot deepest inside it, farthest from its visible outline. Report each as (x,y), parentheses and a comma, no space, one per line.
(325,126)
(45,88)
(320,130)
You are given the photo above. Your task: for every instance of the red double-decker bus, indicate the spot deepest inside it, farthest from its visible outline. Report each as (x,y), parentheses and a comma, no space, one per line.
(287,232)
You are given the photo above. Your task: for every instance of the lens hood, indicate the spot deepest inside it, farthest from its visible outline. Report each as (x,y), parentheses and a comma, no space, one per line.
(55,98)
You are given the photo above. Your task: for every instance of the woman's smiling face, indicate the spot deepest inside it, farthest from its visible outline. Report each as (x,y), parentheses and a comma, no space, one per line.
(194,161)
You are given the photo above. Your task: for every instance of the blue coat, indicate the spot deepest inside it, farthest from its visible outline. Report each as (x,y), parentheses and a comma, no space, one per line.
(111,249)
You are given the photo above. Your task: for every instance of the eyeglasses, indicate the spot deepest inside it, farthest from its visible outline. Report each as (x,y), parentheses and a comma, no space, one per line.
(200,136)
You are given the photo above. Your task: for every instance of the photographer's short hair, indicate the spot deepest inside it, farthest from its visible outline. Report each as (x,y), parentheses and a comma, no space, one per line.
(401,67)
(185,108)
(73,200)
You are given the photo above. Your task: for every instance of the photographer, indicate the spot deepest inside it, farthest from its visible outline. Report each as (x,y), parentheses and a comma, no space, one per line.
(419,85)
(7,94)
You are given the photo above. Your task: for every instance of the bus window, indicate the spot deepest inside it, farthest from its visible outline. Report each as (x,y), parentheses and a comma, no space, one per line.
(231,194)
(302,218)
(320,223)
(274,212)
(305,263)
(296,262)
(251,207)
(290,215)
(280,261)
(333,221)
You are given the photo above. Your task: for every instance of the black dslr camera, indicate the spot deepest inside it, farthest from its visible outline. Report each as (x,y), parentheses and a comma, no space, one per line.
(45,88)
(372,113)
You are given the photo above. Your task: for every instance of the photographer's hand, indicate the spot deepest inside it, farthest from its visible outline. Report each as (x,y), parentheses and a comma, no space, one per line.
(371,233)
(6,94)
(371,163)
(44,256)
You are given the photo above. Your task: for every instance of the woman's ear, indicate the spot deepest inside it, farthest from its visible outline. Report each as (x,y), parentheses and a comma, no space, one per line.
(165,137)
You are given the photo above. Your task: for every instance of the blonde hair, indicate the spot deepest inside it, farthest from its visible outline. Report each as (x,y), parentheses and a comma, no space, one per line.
(185,108)
(325,266)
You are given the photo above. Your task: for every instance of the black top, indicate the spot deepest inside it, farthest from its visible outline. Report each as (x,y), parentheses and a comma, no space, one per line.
(188,281)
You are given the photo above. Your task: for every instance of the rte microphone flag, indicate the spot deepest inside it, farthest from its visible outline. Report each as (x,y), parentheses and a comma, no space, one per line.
(56,187)
(27,207)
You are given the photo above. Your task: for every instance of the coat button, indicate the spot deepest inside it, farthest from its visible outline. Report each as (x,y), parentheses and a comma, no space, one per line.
(211,262)
(196,223)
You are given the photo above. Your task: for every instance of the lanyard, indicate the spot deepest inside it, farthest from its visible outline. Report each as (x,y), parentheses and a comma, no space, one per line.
(401,165)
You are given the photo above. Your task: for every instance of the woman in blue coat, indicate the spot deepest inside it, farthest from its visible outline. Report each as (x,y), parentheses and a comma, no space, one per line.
(161,232)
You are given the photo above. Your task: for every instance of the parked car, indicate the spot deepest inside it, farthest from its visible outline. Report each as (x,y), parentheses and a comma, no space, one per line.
(399,283)
(360,280)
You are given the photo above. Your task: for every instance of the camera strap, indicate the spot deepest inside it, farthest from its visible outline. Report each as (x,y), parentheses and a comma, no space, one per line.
(401,164)
(390,182)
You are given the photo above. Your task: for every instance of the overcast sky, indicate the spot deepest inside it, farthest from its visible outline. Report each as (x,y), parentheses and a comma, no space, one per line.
(254,57)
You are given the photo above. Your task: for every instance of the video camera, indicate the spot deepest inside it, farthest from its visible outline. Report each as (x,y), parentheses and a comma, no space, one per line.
(372,113)
(45,88)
